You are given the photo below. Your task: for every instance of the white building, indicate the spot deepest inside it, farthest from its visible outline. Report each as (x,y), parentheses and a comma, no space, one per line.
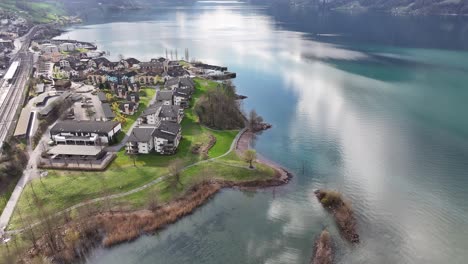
(66,47)
(49,48)
(141,140)
(84,132)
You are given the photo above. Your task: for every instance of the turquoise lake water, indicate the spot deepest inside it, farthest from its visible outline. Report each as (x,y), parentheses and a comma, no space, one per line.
(373,106)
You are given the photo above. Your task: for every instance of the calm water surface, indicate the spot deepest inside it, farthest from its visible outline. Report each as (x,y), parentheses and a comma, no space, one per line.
(373,106)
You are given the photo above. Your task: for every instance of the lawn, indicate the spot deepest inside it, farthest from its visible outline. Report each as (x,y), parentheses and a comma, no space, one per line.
(62,189)
(227,169)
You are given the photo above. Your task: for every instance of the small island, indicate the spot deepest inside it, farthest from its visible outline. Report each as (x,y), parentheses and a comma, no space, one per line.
(334,202)
(323,249)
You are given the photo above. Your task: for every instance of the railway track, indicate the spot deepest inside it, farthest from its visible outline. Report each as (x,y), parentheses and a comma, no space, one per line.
(13,102)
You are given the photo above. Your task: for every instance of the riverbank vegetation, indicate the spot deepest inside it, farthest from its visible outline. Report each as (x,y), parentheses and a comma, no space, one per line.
(12,163)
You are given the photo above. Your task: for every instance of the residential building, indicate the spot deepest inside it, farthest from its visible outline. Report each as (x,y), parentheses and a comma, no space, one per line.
(171,113)
(141,140)
(167,137)
(49,48)
(128,108)
(121,91)
(182,97)
(66,47)
(84,132)
(151,115)
(97,77)
(133,97)
(165,97)
(150,78)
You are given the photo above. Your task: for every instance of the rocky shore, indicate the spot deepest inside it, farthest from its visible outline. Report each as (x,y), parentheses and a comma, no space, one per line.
(342,212)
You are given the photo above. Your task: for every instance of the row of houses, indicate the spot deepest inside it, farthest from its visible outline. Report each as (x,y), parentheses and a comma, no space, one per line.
(100,70)
(159,127)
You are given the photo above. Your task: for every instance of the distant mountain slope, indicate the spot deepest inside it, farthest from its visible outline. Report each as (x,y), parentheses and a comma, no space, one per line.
(390,6)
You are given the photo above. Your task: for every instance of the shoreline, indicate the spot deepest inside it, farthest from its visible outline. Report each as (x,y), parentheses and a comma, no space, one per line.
(243,144)
(112,228)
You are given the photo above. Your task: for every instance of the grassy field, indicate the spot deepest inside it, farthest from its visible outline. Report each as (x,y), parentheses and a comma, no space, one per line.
(42,12)
(62,189)
(5,196)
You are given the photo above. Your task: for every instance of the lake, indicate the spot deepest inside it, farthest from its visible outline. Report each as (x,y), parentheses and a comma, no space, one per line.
(371,105)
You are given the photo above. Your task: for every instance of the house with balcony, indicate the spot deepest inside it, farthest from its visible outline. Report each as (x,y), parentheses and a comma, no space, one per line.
(97,77)
(167,137)
(171,113)
(182,97)
(141,140)
(165,97)
(133,97)
(150,78)
(128,108)
(151,115)
(73,132)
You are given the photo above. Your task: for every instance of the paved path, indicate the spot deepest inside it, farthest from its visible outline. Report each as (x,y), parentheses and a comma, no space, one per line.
(141,188)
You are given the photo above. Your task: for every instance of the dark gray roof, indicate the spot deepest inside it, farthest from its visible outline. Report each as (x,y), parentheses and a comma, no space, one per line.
(183,92)
(164,95)
(84,126)
(171,82)
(132,61)
(106,108)
(141,134)
(131,106)
(187,81)
(102,96)
(167,130)
(136,95)
(152,109)
(101,60)
(171,111)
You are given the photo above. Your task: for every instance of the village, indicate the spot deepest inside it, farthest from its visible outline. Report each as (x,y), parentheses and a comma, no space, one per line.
(83,108)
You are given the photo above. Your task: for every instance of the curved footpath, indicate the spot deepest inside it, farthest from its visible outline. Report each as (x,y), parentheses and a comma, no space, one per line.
(119,195)
(240,143)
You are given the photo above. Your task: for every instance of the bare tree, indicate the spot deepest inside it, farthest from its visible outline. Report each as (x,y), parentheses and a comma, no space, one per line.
(250,156)
(153,202)
(175,169)
(254,120)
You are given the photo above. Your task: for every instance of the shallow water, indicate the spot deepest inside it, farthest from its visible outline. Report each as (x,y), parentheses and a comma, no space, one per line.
(373,106)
